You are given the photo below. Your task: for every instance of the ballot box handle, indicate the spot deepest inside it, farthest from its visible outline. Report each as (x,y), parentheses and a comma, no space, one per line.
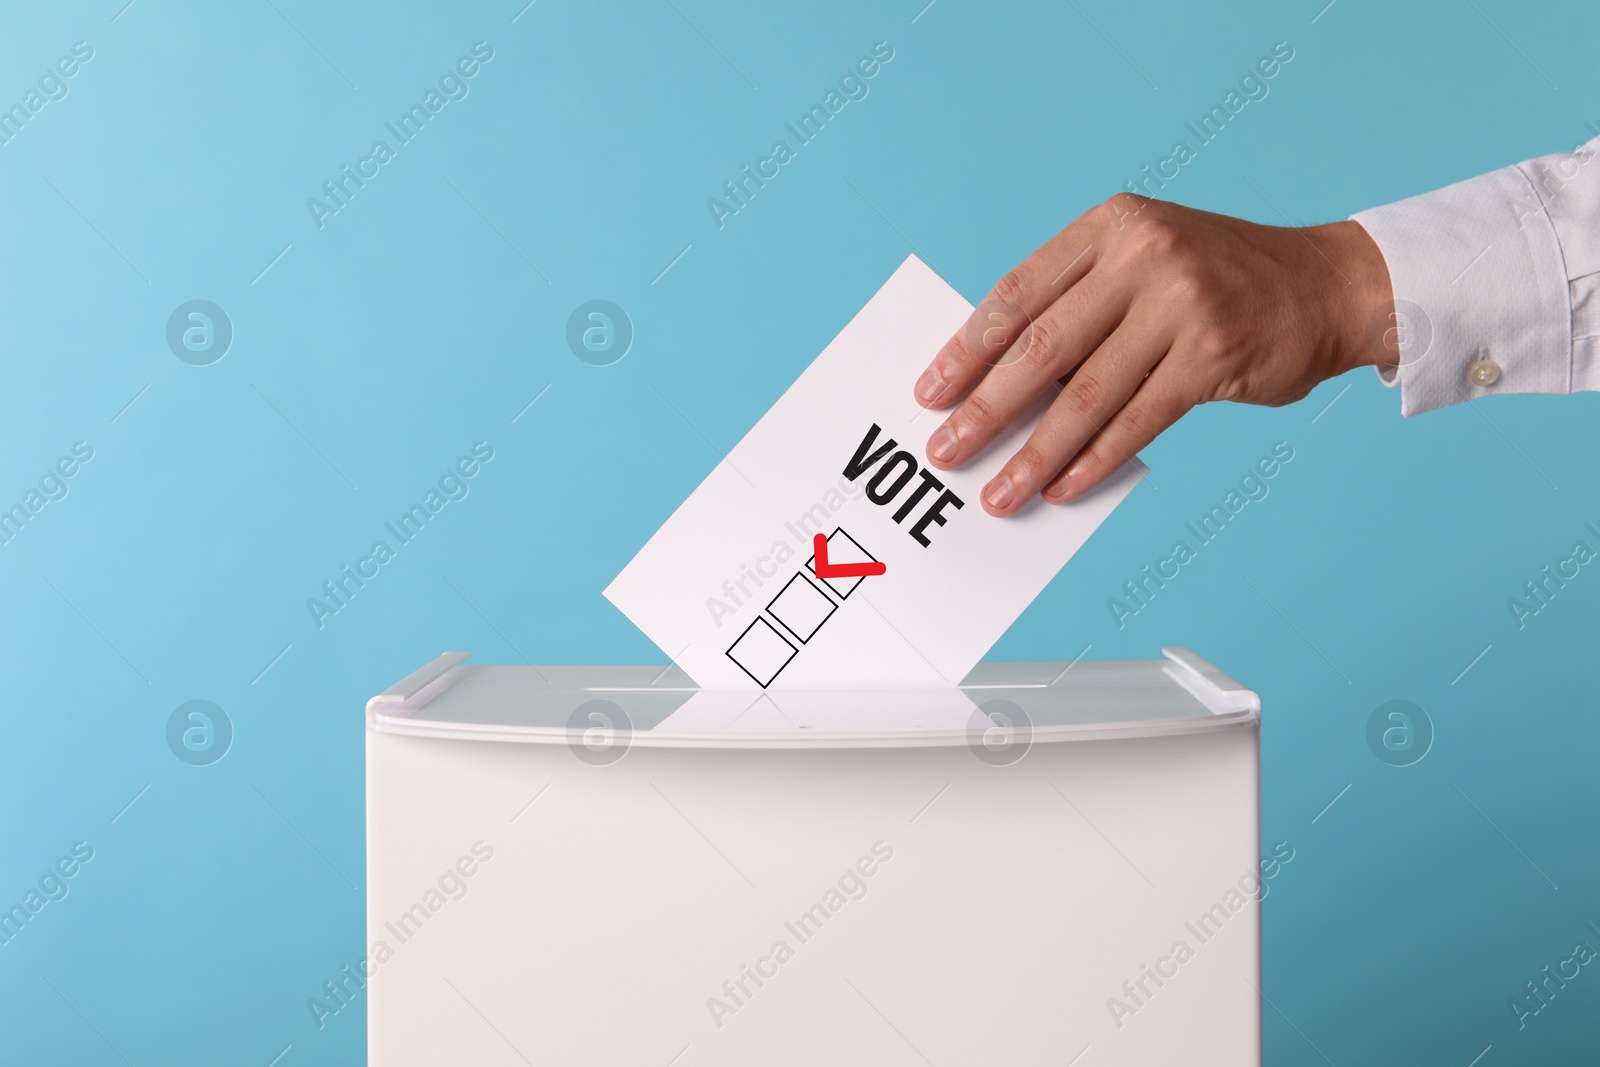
(1211,686)
(417,688)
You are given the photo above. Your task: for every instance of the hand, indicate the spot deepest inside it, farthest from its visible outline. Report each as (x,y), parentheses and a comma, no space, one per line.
(1135,313)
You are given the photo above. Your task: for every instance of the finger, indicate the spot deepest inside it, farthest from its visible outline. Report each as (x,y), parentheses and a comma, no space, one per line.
(1060,339)
(1011,306)
(1094,393)
(1163,398)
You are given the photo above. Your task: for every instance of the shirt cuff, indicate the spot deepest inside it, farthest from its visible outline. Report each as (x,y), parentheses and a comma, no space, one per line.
(1480,292)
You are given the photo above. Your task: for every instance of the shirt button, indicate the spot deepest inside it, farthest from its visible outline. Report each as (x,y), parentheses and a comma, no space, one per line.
(1483,371)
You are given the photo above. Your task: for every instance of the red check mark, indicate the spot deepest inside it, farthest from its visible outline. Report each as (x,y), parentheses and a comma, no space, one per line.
(819,546)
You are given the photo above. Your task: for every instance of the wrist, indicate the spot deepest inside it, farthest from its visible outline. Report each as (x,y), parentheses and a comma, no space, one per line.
(1359,295)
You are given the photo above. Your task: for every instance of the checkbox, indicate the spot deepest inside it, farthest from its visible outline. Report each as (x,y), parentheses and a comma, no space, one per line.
(761,652)
(801,607)
(842,548)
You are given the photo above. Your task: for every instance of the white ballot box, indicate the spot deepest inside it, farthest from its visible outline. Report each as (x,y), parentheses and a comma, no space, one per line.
(1053,863)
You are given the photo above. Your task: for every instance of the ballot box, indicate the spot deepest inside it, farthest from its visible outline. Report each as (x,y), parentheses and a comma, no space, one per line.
(1055,863)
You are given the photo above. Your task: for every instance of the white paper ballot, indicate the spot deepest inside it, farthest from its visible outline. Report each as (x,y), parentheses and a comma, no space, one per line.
(729,586)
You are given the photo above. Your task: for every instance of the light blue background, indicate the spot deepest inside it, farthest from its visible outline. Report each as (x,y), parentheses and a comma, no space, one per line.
(378,349)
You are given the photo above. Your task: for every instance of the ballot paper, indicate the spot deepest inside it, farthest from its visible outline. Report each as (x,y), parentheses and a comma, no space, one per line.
(915,581)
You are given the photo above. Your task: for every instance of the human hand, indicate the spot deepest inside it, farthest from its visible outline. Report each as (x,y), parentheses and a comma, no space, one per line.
(1135,313)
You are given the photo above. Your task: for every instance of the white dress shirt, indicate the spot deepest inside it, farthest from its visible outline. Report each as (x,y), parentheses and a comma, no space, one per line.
(1496,282)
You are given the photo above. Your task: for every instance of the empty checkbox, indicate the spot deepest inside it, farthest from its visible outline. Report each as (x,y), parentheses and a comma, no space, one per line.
(801,607)
(761,652)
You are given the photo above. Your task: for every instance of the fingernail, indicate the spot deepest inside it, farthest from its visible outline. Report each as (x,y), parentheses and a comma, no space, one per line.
(998,493)
(942,445)
(931,386)
(1057,487)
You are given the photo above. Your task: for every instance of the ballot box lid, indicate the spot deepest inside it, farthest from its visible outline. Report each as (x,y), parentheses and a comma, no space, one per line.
(592,707)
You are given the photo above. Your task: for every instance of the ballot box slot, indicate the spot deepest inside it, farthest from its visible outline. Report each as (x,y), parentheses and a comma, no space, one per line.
(639,689)
(1011,685)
